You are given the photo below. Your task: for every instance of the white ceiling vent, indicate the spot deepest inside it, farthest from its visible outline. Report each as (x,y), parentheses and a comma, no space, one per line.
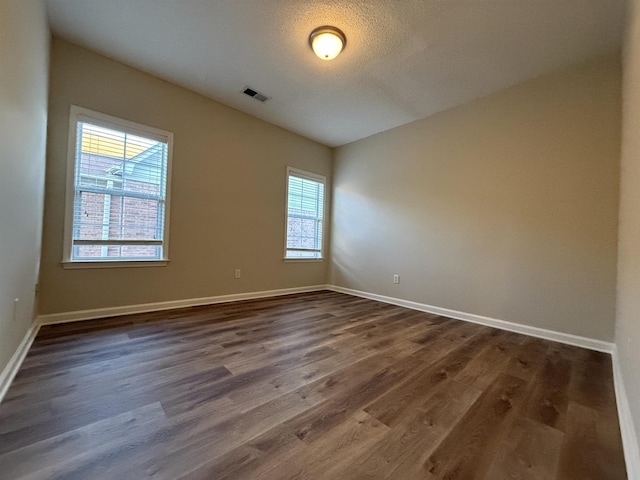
(255,94)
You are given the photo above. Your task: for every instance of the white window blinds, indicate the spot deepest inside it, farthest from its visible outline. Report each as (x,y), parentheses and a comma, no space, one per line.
(119,191)
(305,212)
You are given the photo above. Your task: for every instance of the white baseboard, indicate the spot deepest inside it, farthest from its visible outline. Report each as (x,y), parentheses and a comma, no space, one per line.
(627,429)
(79,315)
(630,441)
(10,371)
(629,438)
(552,335)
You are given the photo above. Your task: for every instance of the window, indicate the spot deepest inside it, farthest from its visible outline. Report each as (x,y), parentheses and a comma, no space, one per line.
(305,212)
(117,191)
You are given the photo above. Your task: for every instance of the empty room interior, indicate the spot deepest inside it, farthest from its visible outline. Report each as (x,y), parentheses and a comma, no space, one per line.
(325,239)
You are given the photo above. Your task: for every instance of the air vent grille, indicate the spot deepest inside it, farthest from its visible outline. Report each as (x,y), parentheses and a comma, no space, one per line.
(255,94)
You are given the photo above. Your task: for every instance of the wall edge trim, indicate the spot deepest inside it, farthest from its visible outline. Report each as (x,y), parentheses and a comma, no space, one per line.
(15,362)
(561,337)
(96,313)
(629,439)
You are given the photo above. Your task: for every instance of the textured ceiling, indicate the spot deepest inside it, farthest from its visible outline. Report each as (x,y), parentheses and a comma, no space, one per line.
(404,59)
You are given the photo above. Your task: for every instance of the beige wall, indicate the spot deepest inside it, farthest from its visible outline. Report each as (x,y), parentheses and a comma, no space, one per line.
(505,207)
(628,312)
(228,191)
(24,54)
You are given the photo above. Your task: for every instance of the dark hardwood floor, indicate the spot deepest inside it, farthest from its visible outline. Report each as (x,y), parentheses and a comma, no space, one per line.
(318,386)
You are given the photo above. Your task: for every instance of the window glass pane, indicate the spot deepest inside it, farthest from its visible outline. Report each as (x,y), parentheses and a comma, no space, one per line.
(140,251)
(89,221)
(116,252)
(299,254)
(139,220)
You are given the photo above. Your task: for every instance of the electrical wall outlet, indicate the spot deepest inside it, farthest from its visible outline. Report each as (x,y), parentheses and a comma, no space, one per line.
(396,278)
(238,273)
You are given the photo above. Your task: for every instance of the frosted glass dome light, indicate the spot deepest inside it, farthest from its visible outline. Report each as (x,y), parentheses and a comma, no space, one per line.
(327,42)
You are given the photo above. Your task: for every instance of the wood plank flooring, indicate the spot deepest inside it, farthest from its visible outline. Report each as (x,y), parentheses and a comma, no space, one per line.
(310,386)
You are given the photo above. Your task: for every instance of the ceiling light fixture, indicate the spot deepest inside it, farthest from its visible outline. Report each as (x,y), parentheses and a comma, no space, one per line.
(327,42)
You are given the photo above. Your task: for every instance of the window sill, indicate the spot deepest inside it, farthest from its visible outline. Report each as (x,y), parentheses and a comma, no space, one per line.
(114,264)
(303,260)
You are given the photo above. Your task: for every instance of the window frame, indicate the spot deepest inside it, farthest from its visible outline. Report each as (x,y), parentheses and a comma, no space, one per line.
(79,114)
(315,177)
